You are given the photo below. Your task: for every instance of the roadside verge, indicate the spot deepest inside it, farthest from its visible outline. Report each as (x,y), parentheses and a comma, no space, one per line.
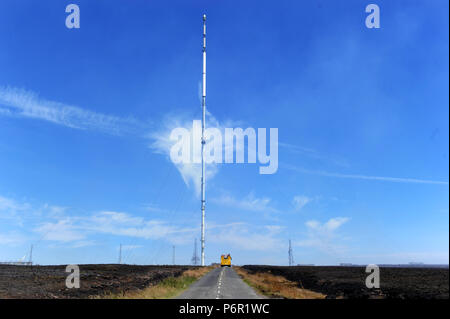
(276,287)
(166,288)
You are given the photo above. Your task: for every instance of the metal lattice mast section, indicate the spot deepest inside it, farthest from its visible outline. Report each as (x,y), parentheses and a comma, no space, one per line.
(195,258)
(120,254)
(203,141)
(291,256)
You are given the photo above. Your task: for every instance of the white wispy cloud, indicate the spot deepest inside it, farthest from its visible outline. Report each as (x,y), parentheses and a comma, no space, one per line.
(248,237)
(152,208)
(84,243)
(11,238)
(4,111)
(59,224)
(10,208)
(63,230)
(324,236)
(300,201)
(20,211)
(248,203)
(76,231)
(131,247)
(79,228)
(364,177)
(162,144)
(23,103)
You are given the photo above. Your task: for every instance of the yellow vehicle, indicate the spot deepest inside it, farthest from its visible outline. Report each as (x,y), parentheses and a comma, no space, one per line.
(225,260)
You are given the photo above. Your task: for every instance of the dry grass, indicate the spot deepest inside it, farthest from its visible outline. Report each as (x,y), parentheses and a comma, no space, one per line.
(276,286)
(166,288)
(198,272)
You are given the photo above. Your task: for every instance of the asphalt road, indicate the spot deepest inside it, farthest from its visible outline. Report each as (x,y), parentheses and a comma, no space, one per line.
(220,283)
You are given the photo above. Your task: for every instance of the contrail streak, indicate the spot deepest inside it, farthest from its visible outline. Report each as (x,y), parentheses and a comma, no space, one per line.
(366,177)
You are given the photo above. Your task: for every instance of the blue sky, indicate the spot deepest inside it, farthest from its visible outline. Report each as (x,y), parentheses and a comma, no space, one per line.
(362,116)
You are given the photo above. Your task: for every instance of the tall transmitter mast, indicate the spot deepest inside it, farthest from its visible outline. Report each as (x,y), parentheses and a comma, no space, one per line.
(203,141)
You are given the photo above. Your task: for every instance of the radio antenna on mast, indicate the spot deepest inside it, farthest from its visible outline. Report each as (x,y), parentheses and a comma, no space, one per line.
(203,200)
